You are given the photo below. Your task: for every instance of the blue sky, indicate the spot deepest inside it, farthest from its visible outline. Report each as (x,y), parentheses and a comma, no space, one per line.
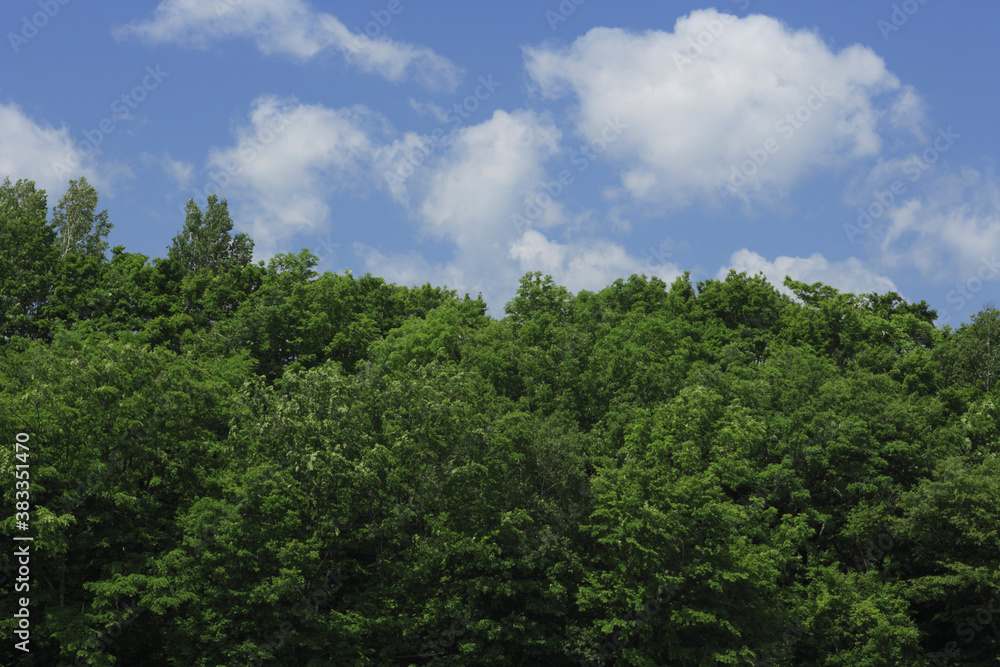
(465,144)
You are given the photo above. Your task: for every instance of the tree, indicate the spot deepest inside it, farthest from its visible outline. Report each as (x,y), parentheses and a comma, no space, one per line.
(831,321)
(280,467)
(950,537)
(122,437)
(979,346)
(27,257)
(748,307)
(540,301)
(206,242)
(891,303)
(669,532)
(80,228)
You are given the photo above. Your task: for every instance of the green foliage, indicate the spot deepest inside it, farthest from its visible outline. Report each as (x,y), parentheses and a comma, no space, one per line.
(978,348)
(206,242)
(234,463)
(27,257)
(80,227)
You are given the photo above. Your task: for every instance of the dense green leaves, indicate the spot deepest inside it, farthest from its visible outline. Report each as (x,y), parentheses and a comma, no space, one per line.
(239,464)
(205,241)
(28,253)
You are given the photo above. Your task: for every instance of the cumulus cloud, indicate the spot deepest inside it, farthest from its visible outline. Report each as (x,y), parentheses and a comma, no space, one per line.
(465,193)
(292,28)
(285,162)
(897,175)
(287,159)
(46,155)
(719,91)
(488,192)
(849,275)
(485,176)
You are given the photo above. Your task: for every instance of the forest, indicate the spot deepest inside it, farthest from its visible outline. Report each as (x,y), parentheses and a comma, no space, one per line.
(239,463)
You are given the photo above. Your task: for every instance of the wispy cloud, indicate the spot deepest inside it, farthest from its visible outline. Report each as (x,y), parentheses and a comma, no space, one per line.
(291,28)
(179,171)
(946,231)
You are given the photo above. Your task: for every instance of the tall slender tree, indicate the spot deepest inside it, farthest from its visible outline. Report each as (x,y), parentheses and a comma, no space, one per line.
(79,226)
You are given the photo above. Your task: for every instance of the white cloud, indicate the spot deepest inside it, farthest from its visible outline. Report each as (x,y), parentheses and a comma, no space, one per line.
(44,154)
(412,153)
(582,265)
(470,190)
(485,176)
(287,160)
(947,231)
(892,178)
(491,274)
(465,193)
(694,112)
(907,113)
(587,265)
(412,268)
(292,28)
(849,275)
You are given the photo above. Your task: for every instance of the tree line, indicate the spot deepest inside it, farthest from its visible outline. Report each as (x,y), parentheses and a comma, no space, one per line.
(238,463)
